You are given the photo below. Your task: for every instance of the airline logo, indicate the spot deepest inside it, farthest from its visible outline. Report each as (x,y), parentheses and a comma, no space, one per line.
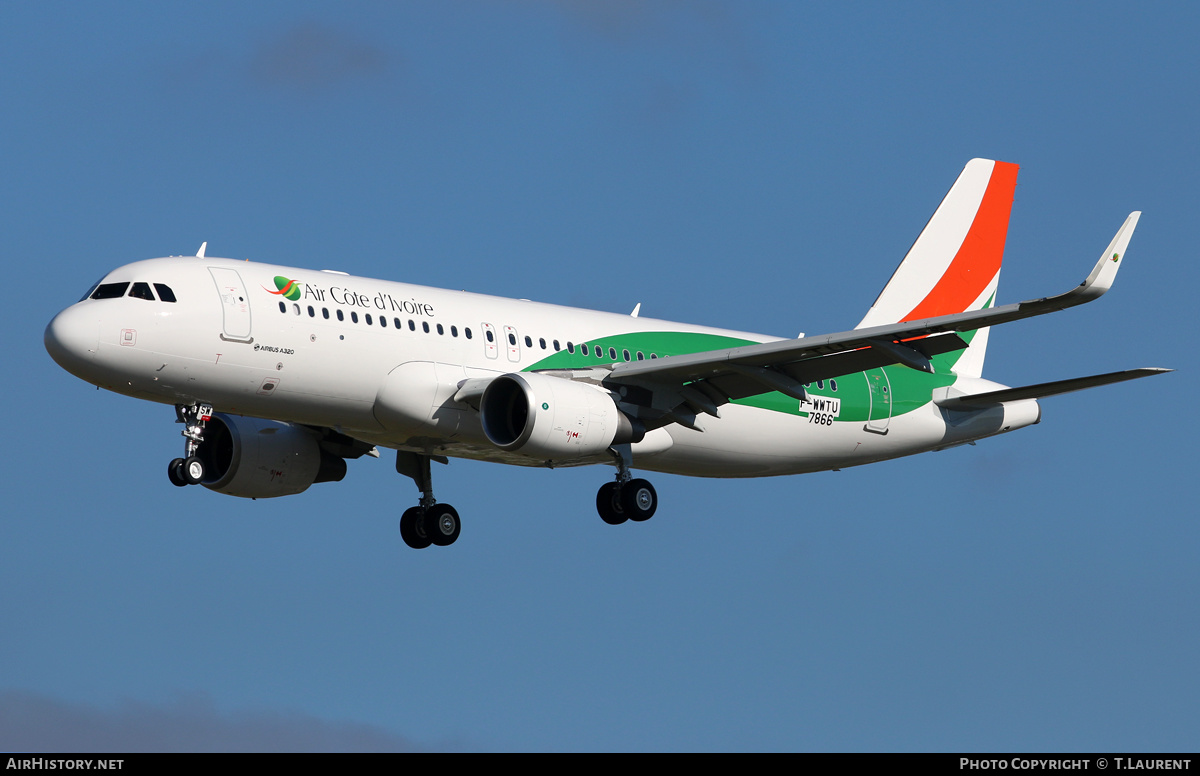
(292,290)
(287,288)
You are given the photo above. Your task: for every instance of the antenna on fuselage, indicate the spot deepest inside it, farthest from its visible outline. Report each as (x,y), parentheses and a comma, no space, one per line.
(200,253)
(636,309)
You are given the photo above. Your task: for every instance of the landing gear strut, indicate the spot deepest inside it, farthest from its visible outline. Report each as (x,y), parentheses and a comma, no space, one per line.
(189,470)
(429,522)
(628,498)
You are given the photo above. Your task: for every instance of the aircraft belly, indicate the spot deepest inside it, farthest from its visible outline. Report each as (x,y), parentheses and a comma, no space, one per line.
(753,442)
(415,404)
(276,377)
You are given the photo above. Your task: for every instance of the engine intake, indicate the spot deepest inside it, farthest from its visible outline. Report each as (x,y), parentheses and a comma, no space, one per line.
(256,458)
(551,418)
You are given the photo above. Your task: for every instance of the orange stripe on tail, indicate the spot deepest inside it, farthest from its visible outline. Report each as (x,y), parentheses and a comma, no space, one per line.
(978,259)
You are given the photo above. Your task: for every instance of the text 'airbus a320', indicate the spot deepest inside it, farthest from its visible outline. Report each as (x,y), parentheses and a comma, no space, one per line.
(280,374)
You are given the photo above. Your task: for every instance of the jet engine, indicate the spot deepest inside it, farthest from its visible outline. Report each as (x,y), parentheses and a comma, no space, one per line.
(256,458)
(552,418)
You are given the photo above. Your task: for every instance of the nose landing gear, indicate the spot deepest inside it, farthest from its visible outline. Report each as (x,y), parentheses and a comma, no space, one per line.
(189,470)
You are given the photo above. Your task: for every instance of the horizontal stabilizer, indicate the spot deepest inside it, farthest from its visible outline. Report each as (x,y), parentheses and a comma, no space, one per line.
(1042,390)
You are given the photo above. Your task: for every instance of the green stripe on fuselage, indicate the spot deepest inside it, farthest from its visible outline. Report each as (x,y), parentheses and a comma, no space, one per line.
(659,343)
(909,388)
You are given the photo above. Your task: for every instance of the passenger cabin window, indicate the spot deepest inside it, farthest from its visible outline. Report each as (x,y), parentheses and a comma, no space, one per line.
(164,292)
(109,290)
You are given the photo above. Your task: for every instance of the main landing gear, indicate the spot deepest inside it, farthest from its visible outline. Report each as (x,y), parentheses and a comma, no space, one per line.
(627,498)
(429,522)
(189,470)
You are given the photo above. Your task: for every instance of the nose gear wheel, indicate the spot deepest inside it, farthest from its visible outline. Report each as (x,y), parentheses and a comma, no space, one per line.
(189,470)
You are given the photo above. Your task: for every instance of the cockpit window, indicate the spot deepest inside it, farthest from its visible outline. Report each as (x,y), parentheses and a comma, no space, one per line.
(109,290)
(141,291)
(90,290)
(164,292)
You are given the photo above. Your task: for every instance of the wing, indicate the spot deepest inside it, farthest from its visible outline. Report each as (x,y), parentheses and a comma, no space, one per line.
(677,388)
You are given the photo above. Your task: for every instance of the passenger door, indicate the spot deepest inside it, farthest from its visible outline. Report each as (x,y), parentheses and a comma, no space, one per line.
(235,306)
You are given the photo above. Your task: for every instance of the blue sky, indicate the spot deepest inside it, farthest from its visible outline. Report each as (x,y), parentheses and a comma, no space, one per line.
(755,166)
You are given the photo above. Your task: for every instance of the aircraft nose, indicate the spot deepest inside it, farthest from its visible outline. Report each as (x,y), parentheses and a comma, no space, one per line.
(71,338)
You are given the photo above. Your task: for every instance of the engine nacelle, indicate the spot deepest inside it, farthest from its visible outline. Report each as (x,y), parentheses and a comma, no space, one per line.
(552,418)
(256,458)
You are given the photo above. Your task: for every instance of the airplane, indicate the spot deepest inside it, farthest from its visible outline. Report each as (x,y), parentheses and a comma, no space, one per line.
(279,375)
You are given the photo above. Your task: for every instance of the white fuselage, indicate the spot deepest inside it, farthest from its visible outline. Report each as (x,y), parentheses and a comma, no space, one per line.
(238,340)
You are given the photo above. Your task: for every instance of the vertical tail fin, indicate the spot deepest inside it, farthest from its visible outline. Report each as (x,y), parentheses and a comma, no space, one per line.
(954,265)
